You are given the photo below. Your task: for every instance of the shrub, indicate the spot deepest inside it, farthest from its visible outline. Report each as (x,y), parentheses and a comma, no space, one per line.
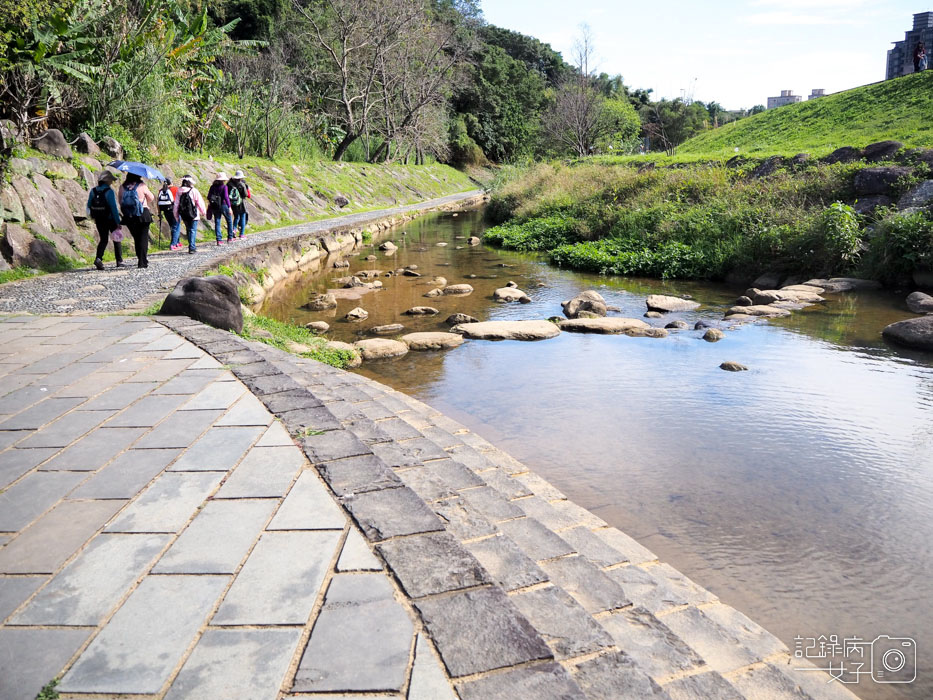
(536,234)
(899,245)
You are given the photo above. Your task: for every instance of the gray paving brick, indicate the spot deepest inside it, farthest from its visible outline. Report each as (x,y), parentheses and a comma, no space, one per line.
(93,384)
(492,505)
(15,462)
(702,685)
(397,429)
(335,444)
(40,656)
(120,396)
(428,680)
(392,513)
(657,650)
(293,400)
(47,543)
(92,585)
(32,496)
(432,563)
(141,645)
(16,399)
(592,547)
(217,395)
(186,351)
(188,383)
(535,540)
(395,455)
(160,371)
(471,458)
(508,487)
(373,410)
(751,634)
(40,414)
(691,591)
(442,438)
(275,436)
(499,458)
(94,450)
(364,429)
(546,513)
(265,472)
(66,375)
(146,412)
(219,449)
(272,384)
(539,486)
(16,589)
(218,538)
(361,640)
(586,583)
(52,362)
(462,520)
(356,555)
(508,566)
(480,630)
(541,682)
(247,411)
(565,625)
(358,475)
(126,475)
(146,335)
(812,683)
(422,449)
(308,506)
(634,552)
(280,580)
(66,429)
(168,503)
(165,342)
(428,485)
(179,429)
(718,647)
(646,590)
(615,676)
(236,665)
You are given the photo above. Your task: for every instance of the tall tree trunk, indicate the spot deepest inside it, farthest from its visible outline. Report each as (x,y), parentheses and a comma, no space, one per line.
(344,145)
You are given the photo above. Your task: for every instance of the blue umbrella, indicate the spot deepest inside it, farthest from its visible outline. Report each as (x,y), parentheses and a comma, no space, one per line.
(141,169)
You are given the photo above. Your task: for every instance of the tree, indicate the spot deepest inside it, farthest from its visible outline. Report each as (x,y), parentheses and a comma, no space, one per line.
(669,123)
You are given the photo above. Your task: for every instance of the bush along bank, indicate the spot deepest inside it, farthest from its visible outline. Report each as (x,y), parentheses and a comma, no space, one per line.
(843,215)
(44,225)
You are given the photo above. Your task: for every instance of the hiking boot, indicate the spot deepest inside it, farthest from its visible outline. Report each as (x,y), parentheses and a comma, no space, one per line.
(192,251)
(98,263)
(120,263)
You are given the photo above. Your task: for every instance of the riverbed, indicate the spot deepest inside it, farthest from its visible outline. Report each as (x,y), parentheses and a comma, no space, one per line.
(800,492)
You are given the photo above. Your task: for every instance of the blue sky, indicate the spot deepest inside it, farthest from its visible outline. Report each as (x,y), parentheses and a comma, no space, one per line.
(736,53)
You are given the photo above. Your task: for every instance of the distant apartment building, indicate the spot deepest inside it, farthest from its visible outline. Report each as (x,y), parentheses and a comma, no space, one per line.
(901,57)
(817,92)
(787,98)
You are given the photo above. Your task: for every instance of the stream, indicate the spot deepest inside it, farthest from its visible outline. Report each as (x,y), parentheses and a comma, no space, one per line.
(799,492)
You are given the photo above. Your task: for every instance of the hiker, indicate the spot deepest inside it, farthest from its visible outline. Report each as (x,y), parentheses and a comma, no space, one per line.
(920,57)
(218,204)
(102,208)
(239,193)
(166,203)
(189,208)
(135,199)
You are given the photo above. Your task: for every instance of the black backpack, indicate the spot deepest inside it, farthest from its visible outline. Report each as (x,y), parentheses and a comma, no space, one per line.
(215,198)
(186,207)
(100,209)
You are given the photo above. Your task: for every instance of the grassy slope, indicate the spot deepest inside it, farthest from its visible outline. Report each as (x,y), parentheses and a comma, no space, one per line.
(900,109)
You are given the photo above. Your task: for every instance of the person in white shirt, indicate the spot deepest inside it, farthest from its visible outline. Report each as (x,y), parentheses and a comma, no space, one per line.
(190,208)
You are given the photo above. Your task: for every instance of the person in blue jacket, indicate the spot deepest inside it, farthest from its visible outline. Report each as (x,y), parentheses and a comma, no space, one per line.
(102,208)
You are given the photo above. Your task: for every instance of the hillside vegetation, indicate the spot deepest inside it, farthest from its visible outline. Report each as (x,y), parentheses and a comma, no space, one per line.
(900,109)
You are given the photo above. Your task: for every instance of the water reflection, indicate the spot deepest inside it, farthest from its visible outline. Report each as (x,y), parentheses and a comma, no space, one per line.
(801,491)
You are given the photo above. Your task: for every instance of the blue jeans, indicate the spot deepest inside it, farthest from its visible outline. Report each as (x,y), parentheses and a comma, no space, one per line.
(239,223)
(174,225)
(191,230)
(225,212)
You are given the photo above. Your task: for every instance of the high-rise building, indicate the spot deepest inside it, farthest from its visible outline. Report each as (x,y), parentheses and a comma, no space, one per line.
(787,98)
(901,57)
(817,92)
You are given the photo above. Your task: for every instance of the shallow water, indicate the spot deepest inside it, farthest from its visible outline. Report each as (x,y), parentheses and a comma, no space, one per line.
(801,491)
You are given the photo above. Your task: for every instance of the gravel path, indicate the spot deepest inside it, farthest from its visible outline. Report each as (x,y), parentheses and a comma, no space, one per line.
(88,290)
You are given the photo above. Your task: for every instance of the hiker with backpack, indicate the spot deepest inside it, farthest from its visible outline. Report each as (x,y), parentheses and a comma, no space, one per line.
(135,199)
(239,193)
(102,209)
(218,204)
(166,204)
(189,208)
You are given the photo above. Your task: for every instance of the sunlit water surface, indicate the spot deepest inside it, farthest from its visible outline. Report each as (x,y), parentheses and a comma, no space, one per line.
(801,491)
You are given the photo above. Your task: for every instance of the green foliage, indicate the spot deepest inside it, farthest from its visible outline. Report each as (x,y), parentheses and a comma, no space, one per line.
(900,244)
(893,109)
(16,273)
(537,234)
(669,123)
(48,692)
(283,334)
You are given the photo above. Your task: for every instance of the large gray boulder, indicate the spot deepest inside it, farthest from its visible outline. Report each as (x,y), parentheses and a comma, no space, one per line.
(917,197)
(23,249)
(660,302)
(455,319)
(509,294)
(421,311)
(914,332)
(772,296)
(321,302)
(380,348)
(211,300)
(432,340)
(508,330)
(11,209)
(53,143)
(769,280)
(457,290)
(606,326)
(920,303)
(112,147)
(845,154)
(870,202)
(880,180)
(588,301)
(882,150)
(85,144)
(757,310)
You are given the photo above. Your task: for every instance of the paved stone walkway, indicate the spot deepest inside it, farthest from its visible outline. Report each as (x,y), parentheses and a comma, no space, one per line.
(111,290)
(163,535)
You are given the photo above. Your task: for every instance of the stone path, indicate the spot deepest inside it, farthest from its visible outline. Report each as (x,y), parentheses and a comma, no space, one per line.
(174,524)
(111,290)
(161,534)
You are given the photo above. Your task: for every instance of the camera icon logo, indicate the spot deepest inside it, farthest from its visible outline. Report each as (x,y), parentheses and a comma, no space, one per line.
(893,659)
